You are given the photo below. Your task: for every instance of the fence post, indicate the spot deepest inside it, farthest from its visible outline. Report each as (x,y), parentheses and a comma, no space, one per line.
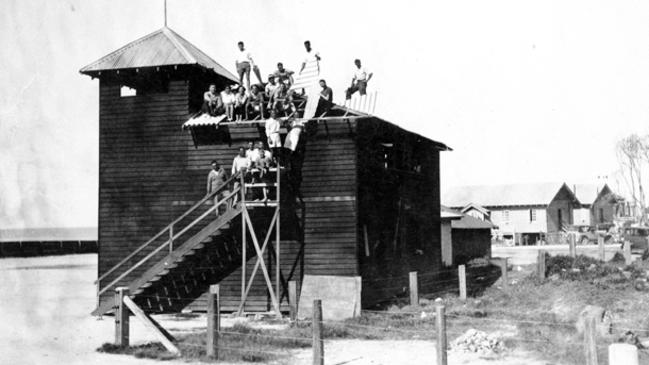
(440,318)
(540,263)
(121,317)
(628,259)
(414,288)
(461,273)
(292,299)
(622,354)
(573,246)
(600,245)
(503,272)
(590,344)
(318,343)
(213,321)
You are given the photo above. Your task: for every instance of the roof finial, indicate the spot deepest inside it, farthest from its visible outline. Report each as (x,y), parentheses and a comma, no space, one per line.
(165,13)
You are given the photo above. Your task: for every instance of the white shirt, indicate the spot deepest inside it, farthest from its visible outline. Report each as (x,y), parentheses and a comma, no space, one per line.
(240,163)
(244,56)
(254,155)
(228,98)
(311,56)
(361,74)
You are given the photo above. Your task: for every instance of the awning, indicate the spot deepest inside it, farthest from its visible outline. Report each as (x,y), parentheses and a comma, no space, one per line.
(204,120)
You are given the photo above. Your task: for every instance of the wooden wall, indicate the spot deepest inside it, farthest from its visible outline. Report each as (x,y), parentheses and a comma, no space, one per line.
(142,154)
(399,207)
(470,243)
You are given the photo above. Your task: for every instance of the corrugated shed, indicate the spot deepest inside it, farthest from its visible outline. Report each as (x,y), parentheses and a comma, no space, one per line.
(540,194)
(163,47)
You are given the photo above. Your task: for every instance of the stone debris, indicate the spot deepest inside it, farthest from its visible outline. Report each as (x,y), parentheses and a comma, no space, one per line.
(479,342)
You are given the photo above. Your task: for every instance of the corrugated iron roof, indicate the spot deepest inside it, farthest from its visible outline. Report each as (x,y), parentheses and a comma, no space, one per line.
(501,195)
(203,120)
(164,47)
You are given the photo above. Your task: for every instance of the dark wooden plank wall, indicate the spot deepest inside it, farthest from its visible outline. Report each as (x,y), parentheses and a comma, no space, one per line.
(398,207)
(142,155)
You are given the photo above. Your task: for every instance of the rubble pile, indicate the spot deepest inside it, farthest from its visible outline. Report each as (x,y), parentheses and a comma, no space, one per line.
(478,342)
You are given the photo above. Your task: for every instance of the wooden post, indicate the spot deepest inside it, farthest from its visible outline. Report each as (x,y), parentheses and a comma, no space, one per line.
(461,273)
(244,244)
(121,317)
(318,343)
(540,263)
(590,344)
(292,299)
(440,318)
(213,321)
(503,272)
(573,246)
(414,288)
(600,244)
(628,259)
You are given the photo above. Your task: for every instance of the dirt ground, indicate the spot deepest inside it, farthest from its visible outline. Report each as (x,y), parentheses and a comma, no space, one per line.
(45,306)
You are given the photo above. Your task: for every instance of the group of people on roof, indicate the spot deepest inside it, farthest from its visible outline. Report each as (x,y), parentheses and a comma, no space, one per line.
(246,101)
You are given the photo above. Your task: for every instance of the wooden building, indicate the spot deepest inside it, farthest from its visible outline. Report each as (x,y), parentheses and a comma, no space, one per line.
(360,198)
(464,237)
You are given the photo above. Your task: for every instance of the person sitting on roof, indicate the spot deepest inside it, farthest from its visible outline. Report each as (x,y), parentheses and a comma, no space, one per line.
(228,98)
(326,99)
(273,138)
(271,86)
(359,83)
(283,75)
(244,62)
(212,103)
(277,98)
(256,101)
(310,56)
(240,102)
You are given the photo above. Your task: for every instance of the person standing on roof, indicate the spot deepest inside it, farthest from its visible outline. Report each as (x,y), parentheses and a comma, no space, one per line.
(215,180)
(283,75)
(311,56)
(244,62)
(359,83)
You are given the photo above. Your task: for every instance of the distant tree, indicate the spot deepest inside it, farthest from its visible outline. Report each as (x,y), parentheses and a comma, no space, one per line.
(633,155)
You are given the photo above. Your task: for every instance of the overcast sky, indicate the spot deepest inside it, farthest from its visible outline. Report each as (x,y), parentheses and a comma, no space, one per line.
(522,91)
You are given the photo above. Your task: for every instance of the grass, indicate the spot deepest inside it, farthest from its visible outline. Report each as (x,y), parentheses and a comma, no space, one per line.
(531,315)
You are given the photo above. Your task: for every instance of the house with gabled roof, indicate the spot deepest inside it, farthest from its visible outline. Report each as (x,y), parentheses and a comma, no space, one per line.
(518,210)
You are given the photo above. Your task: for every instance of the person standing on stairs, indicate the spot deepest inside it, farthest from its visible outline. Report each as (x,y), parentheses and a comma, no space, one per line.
(215,180)
(241,163)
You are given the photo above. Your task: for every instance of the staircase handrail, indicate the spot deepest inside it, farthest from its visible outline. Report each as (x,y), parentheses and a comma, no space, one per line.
(169,241)
(169,227)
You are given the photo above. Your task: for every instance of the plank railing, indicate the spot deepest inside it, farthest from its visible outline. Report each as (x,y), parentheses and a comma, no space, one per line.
(172,235)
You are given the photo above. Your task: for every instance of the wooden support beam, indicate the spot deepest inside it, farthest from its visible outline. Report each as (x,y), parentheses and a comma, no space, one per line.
(540,265)
(149,323)
(626,248)
(600,245)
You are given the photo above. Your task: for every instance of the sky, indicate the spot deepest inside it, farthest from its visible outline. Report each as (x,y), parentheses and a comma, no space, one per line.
(523,91)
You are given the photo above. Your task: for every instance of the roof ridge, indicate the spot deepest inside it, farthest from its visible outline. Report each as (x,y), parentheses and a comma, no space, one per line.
(171,35)
(122,49)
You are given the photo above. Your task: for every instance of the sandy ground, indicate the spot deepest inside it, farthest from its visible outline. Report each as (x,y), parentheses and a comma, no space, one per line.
(45,306)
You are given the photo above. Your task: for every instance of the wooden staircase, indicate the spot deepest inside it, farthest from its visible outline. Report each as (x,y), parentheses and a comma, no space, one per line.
(185,274)
(161,282)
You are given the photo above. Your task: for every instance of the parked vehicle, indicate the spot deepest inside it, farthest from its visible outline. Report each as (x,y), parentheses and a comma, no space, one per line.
(585,234)
(638,237)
